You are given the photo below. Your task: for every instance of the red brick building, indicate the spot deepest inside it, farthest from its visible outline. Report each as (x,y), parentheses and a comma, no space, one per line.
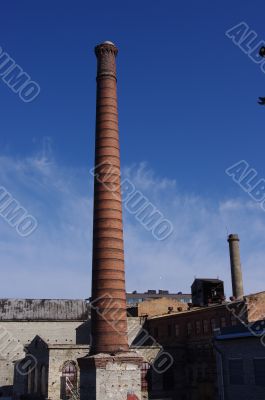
(188,337)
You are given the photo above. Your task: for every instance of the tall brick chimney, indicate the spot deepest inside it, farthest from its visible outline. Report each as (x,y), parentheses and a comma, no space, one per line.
(236,272)
(111,370)
(108,314)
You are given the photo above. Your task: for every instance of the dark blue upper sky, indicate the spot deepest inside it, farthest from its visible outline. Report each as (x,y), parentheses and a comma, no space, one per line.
(187,94)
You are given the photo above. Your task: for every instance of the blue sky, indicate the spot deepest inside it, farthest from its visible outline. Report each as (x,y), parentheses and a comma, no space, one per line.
(187,103)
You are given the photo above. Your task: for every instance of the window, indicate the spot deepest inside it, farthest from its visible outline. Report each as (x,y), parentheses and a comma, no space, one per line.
(190,375)
(169,330)
(189,328)
(69,380)
(199,374)
(177,331)
(223,322)
(213,324)
(198,327)
(259,368)
(206,326)
(145,377)
(233,320)
(236,371)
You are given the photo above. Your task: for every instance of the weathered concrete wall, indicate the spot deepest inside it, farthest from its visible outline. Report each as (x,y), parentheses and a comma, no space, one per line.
(111,379)
(15,335)
(134,328)
(6,376)
(35,379)
(148,353)
(160,306)
(58,355)
(116,380)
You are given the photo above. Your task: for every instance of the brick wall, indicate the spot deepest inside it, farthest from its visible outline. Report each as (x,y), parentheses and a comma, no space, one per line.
(256,306)
(160,306)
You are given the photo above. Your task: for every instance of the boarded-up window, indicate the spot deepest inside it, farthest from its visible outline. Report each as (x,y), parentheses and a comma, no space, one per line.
(236,372)
(259,371)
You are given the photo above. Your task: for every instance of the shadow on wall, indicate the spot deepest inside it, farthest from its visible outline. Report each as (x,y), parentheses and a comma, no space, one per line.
(143,338)
(83,333)
(87,383)
(6,392)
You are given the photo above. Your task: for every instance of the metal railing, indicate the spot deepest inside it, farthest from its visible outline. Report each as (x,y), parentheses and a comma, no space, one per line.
(72,389)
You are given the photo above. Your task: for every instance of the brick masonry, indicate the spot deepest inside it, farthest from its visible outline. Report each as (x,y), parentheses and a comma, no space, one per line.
(161,306)
(108,314)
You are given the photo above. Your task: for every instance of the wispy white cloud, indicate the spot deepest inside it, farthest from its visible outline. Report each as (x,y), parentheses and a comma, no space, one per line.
(56,260)
(198,245)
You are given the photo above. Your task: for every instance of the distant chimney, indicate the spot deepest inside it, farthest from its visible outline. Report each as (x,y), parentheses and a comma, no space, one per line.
(236,272)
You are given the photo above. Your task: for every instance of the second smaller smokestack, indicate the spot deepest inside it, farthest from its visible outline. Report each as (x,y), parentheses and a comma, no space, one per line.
(236,272)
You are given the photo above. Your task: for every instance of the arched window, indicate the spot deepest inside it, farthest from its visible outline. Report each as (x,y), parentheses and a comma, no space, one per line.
(68,380)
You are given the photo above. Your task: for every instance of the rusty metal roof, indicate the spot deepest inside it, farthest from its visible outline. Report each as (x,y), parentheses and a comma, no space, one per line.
(43,310)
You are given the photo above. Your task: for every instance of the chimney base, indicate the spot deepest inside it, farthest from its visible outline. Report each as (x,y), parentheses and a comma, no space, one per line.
(106,377)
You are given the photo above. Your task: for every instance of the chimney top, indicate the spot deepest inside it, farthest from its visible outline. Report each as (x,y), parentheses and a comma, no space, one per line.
(108,42)
(233,236)
(106,47)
